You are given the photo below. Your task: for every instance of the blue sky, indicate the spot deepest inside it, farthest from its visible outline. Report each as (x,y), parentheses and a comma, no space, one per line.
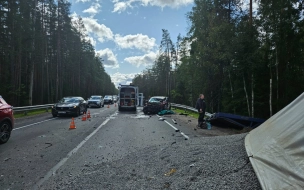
(126,34)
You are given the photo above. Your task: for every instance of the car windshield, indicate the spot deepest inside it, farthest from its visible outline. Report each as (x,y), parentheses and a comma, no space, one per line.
(154,99)
(69,100)
(95,98)
(107,96)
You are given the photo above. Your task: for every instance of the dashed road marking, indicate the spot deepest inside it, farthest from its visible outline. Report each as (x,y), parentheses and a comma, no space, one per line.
(33,124)
(52,172)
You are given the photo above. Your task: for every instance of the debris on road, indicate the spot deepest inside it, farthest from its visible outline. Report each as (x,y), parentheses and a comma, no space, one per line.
(172,171)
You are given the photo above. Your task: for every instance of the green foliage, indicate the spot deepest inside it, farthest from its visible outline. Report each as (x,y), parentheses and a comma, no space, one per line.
(231,59)
(44,55)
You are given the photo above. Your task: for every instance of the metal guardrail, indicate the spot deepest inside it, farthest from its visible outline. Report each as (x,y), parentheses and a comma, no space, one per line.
(189,108)
(25,109)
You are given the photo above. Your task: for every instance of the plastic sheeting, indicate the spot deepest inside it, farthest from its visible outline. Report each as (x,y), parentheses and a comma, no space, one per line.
(276,148)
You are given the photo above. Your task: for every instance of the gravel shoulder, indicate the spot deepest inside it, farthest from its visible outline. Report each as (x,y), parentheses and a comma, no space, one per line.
(184,120)
(216,159)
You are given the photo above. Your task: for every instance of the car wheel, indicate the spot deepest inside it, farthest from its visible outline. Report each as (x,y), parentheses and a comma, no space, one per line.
(54,114)
(103,105)
(5,132)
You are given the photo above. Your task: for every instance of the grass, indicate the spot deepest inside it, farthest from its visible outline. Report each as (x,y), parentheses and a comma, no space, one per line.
(29,113)
(181,111)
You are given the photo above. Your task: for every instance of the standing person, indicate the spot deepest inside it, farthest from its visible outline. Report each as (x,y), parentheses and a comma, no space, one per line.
(201,108)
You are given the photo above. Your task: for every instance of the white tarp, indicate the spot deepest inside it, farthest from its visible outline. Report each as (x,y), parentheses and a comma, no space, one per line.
(276,148)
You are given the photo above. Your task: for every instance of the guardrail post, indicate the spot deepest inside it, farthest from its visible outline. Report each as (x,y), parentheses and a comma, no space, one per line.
(47,109)
(25,112)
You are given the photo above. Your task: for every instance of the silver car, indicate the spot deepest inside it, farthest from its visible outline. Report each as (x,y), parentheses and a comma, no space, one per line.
(96,101)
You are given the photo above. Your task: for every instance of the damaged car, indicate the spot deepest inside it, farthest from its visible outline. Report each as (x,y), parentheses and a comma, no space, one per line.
(157,104)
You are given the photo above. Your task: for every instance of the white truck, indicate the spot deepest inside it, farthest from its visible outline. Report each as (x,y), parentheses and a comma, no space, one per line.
(128,95)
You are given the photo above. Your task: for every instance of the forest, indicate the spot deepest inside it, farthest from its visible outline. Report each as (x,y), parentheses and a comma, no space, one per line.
(44,55)
(245,60)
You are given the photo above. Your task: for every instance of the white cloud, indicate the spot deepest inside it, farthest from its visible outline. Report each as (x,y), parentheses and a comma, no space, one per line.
(139,41)
(94,9)
(145,60)
(108,57)
(166,3)
(120,6)
(100,30)
(83,1)
(91,40)
(119,78)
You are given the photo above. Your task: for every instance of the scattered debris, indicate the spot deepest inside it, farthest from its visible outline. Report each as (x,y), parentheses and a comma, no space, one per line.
(167,185)
(172,171)
(50,144)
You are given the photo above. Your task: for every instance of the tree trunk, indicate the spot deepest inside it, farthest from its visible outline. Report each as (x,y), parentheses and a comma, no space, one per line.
(31,84)
(231,88)
(270,97)
(32,68)
(248,106)
(277,74)
(252,95)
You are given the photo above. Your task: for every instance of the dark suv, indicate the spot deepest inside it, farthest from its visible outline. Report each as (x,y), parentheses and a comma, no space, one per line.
(6,120)
(157,104)
(70,105)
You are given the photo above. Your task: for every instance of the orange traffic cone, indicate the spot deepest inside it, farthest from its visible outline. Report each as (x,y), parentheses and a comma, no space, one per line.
(89,115)
(115,104)
(84,117)
(72,124)
(108,105)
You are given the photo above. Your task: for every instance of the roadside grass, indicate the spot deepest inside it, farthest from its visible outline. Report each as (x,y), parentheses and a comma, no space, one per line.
(30,113)
(182,111)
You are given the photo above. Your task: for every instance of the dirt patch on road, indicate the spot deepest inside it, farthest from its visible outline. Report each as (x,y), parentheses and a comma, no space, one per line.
(185,120)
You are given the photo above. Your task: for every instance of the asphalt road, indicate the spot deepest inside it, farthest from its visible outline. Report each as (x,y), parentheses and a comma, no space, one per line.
(43,149)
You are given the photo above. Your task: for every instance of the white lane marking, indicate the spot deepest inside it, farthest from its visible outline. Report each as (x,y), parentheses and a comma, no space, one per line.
(176,130)
(52,172)
(186,137)
(33,124)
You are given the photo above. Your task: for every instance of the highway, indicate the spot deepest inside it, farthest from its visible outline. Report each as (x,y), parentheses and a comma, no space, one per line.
(42,147)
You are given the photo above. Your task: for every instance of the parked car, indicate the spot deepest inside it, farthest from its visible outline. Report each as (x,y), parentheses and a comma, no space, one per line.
(157,104)
(71,105)
(115,98)
(6,120)
(108,99)
(96,101)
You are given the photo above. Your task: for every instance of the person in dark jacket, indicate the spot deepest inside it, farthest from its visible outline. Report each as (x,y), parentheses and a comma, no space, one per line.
(201,108)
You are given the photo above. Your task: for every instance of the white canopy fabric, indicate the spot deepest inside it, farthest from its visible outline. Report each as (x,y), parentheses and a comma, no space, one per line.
(276,148)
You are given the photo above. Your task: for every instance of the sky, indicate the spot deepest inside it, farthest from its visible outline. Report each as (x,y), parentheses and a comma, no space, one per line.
(126,34)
